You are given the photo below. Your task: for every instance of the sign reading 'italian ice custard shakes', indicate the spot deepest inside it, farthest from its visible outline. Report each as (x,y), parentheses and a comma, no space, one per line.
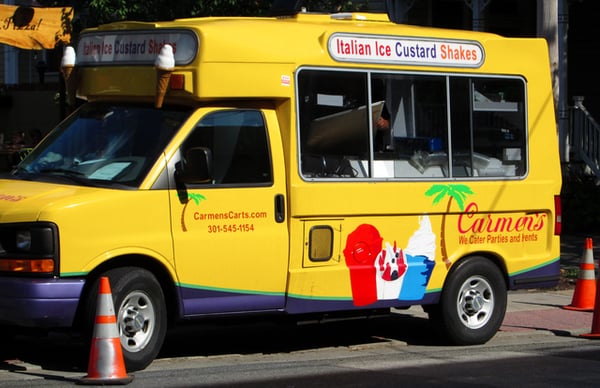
(398,50)
(34,28)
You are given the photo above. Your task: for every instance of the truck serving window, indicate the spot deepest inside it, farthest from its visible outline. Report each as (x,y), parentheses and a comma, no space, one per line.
(410,126)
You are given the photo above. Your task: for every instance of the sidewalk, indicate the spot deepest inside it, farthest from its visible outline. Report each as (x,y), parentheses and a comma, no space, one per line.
(542,310)
(536,311)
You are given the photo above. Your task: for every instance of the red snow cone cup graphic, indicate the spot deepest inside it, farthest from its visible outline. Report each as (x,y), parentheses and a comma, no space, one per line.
(362,247)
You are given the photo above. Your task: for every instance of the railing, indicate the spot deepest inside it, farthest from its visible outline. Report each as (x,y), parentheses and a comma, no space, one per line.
(585,132)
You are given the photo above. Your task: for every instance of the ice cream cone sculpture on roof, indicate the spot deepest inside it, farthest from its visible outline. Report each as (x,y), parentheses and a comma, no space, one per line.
(68,61)
(164,64)
(67,65)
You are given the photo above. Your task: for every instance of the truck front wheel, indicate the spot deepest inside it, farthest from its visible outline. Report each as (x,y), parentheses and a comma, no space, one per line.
(140,311)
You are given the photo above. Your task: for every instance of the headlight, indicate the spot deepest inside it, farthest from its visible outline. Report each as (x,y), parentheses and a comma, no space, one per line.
(23,240)
(29,248)
(35,238)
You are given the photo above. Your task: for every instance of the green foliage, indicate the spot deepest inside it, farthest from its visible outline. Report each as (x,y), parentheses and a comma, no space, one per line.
(152,10)
(95,12)
(332,6)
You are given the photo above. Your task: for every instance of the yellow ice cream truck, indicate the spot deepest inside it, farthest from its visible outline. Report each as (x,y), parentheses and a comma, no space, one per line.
(305,164)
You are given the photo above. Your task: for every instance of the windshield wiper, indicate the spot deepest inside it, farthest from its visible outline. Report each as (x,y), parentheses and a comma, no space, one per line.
(21,172)
(65,171)
(75,176)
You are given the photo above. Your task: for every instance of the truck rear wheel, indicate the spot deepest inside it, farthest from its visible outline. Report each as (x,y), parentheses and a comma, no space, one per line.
(140,311)
(472,304)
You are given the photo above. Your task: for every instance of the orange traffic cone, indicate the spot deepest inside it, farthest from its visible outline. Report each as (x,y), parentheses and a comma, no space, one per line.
(585,289)
(595,319)
(106,365)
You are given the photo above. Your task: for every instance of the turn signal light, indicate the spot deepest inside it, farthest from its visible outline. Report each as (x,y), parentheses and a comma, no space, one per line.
(27,265)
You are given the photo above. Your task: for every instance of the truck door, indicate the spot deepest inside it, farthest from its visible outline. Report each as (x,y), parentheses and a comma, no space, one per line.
(230,232)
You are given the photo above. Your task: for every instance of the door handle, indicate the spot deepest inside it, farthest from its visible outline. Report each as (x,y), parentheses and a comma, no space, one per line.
(279,208)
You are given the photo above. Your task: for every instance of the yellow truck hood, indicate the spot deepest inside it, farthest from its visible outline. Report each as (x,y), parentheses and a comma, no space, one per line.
(25,200)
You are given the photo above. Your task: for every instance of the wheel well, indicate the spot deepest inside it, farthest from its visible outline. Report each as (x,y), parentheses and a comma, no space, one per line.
(493,258)
(156,268)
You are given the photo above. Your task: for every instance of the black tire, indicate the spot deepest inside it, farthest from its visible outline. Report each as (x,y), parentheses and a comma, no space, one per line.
(140,311)
(472,304)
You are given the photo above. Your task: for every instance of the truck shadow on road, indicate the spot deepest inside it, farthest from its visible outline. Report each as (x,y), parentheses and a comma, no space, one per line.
(269,337)
(65,352)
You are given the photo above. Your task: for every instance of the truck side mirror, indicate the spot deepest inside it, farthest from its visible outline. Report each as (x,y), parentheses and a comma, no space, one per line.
(196,166)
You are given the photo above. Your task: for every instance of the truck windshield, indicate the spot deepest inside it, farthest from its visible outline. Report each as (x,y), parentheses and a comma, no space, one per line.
(103,145)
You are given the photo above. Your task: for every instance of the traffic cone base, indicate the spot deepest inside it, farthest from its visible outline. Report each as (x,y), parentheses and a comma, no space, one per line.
(584,297)
(590,335)
(106,364)
(586,307)
(595,331)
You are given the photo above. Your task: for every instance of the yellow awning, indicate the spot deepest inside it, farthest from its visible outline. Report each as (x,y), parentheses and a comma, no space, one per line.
(35,28)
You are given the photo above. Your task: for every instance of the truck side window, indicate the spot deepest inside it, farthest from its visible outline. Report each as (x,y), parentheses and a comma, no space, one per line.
(238,143)
(334,122)
(423,125)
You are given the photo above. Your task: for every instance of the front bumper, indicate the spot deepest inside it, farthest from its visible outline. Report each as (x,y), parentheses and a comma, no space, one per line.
(39,303)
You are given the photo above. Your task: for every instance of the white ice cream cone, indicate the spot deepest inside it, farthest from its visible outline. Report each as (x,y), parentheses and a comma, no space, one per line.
(67,70)
(70,83)
(164,64)
(162,83)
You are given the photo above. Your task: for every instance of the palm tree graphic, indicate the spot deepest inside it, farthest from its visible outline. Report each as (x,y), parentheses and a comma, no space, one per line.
(194,197)
(458,192)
